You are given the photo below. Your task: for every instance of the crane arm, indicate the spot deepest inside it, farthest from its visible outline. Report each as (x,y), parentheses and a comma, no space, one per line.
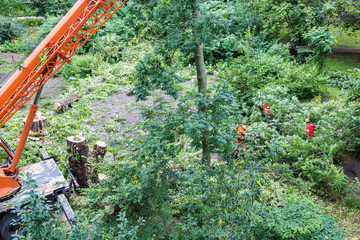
(76,27)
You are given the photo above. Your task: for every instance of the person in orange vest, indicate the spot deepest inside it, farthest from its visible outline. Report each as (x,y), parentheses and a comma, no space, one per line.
(241,129)
(310,127)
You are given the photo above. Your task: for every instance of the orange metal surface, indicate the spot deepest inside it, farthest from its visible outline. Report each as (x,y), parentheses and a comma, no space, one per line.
(8,185)
(24,135)
(77,26)
(6,149)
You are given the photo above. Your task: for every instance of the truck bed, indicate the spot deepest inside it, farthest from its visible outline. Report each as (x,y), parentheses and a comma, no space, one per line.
(48,179)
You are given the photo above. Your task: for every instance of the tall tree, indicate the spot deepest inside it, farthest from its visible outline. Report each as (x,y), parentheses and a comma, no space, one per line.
(202,86)
(182,28)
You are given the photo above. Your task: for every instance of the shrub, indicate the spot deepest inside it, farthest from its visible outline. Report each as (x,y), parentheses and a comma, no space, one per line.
(51,7)
(10,29)
(39,219)
(297,217)
(81,66)
(108,46)
(256,70)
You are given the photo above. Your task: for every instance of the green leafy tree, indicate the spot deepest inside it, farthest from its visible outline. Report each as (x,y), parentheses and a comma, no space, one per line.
(183,27)
(289,20)
(320,42)
(347,13)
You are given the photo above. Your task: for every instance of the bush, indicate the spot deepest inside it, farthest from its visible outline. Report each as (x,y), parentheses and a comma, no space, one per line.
(14,46)
(39,218)
(10,29)
(256,70)
(51,7)
(27,44)
(297,217)
(108,46)
(81,66)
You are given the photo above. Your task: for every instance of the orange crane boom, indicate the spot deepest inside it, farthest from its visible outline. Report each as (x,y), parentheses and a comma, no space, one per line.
(75,28)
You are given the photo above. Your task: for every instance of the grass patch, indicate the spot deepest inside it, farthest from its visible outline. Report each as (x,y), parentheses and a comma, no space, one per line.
(330,94)
(342,62)
(7,66)
(346,37)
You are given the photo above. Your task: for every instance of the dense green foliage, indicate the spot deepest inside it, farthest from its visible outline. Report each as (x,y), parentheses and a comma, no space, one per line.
(274,188)
(10,29)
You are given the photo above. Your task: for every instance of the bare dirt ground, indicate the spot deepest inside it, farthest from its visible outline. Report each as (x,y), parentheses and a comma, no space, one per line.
(352,170)
(11,56)
(121,108)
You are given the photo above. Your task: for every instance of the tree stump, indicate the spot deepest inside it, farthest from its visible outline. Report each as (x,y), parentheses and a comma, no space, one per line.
(78,153)
(65,103)
(40,123)
(99,151)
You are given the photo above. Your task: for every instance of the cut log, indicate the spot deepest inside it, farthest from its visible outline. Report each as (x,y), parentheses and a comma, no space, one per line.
(78,153)
(40,123)
(65,103)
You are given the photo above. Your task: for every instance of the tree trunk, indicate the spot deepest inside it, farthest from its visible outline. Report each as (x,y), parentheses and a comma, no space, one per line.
(202,87)
(60,105)
(99,151)
(78,152)
(40,123)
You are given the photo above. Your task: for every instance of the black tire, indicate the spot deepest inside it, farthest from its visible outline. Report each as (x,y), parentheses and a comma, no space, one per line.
(9,226)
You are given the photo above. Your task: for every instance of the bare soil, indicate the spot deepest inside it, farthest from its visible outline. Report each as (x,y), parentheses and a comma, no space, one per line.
(120,107)
(11,56)
(352,170)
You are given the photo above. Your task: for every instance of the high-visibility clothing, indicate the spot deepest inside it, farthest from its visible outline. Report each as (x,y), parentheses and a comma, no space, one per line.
(311,128)
(241,128)
(266,108)
(241,138)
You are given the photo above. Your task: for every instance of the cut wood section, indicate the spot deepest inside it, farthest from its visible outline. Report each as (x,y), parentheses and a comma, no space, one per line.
(65,103)
(81,159)
(99,151)
(40,123)
(78,153)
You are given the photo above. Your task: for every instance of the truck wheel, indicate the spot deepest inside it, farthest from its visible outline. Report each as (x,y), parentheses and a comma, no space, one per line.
(9,226)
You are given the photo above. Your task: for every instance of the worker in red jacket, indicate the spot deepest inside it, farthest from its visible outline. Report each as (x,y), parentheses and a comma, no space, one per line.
(241,129)
(310,127)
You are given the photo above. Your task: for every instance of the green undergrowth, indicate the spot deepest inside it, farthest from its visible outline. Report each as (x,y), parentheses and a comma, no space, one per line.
(346,38)
(343,63)
(6,66)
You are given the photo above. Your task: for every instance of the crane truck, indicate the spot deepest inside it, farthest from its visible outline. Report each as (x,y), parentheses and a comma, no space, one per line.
(72,32)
